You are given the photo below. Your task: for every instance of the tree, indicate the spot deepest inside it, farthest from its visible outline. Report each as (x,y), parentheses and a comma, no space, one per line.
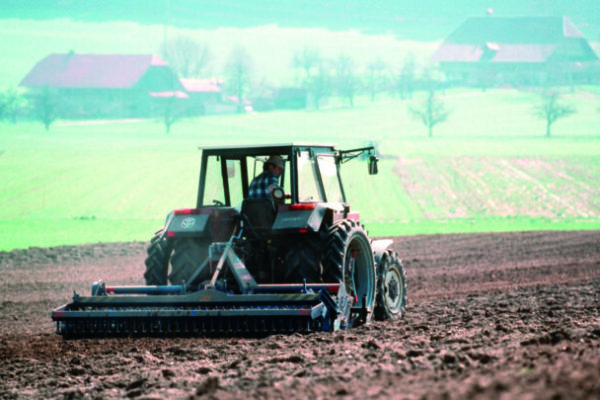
(171,107)
(316,77)
(405,80)
(551,110)
(319,84)
(346,79)
(307,59)
(45,106)
(239,73)
(431,112)
(376,77)
(187,57)
(12,103)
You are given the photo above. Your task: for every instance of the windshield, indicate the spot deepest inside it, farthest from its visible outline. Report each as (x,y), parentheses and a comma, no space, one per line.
(331,183)
(308,187)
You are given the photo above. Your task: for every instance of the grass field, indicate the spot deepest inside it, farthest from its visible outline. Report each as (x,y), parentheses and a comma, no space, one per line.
(489,168)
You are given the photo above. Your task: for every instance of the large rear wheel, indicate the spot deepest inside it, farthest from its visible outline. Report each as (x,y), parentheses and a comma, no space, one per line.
(348,258)
(303,260)
(188,256)
(157,262)
(391,287)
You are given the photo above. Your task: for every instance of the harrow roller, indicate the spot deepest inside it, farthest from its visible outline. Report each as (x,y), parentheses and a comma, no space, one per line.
(203,312)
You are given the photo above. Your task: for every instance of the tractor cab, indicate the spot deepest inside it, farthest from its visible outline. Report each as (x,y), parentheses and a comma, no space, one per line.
(311,173)
(311,177)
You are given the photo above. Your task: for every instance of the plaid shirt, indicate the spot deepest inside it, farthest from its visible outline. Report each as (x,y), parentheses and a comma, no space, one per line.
(259,188)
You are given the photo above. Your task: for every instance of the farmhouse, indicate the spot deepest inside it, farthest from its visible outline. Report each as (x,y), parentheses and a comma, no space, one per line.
(104,85)
(517,51)
(206,96)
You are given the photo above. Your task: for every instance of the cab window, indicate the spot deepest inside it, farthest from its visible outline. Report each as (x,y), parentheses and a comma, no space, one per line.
(234,179)
(331,183)
(213,188)
(255,168)
(308,187)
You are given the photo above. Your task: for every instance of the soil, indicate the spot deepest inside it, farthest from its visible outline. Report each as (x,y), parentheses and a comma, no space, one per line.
(490,316)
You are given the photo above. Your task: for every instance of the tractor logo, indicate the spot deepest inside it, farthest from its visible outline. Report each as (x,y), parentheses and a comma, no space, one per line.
(188,223)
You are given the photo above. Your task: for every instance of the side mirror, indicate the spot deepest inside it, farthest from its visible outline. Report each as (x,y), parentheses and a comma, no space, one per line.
(373,165)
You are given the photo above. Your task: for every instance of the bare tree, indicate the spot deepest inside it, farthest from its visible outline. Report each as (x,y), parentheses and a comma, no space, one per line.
(307,59)
(12,103)
(171,107)
(187,57)
(405,80)
(431,112)
(319,84)
(316,77)
(551,110)
(45,106)
(346,79)
(376,77)
(239,74)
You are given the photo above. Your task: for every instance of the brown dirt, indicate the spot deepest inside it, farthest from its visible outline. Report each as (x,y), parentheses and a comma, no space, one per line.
(498,316)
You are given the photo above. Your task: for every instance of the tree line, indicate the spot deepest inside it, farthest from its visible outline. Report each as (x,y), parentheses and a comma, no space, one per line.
(320,76)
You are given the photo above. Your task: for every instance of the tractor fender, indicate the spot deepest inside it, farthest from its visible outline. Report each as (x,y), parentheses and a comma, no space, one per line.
(188,225)
(217,223)
(379,248)
(309,217)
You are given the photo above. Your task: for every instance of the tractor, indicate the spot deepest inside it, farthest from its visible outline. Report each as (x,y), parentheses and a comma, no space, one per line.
(297,260)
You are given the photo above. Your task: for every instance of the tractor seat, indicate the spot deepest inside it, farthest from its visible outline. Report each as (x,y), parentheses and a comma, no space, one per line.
(259,214)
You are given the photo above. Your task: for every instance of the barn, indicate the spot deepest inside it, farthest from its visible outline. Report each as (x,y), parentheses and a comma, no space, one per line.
(206,96)
(521,51)
(104,85)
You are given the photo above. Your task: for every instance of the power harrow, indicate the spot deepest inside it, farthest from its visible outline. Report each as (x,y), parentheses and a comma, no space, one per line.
(209,308)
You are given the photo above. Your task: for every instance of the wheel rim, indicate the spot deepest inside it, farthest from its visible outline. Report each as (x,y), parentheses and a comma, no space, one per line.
(359,276)
(393,288)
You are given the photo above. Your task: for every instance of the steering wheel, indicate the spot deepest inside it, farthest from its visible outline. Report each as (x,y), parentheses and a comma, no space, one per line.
(218,203)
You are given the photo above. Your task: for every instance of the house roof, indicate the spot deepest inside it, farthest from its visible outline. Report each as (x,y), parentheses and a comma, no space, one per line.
(518,30)
(500,53)
(202,85)
(91,70)
(523,39)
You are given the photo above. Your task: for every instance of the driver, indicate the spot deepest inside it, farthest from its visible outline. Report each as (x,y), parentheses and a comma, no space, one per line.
(262,185)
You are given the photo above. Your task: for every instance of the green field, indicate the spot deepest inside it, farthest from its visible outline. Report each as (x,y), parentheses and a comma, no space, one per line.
(489,168)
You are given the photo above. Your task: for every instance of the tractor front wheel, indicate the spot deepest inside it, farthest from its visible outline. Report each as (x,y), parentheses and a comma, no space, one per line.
(391,287)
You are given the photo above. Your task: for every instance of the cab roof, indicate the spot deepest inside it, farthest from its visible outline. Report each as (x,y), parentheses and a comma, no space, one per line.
(266,149)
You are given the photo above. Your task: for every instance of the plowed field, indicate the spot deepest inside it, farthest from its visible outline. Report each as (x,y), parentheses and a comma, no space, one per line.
(514,315)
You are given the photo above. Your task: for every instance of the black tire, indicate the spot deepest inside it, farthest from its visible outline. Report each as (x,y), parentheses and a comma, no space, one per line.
(157,262)
(303,260)
(188,256)
(391,287)
(348,258)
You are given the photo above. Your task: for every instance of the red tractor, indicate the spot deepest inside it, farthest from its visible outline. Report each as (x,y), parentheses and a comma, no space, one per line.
(303,249)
